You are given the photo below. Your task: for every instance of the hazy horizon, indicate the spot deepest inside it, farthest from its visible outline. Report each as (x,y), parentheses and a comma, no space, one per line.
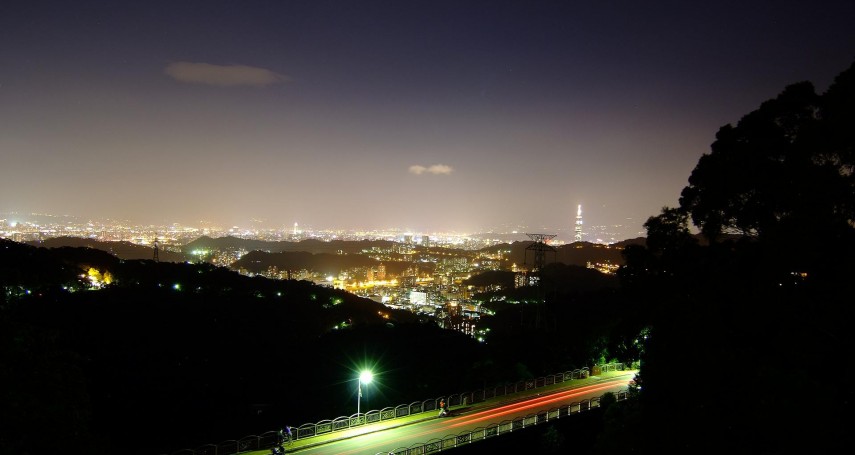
(426,115)
(564,234)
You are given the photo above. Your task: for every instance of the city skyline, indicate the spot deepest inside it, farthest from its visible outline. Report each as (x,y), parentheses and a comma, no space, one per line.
(425,116)
(36,226)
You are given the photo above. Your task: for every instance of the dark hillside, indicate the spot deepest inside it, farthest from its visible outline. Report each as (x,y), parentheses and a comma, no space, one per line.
(183,353)
(122,250)
(308,245)
(259,261)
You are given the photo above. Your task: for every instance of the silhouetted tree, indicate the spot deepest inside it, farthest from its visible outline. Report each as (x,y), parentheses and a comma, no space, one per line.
(763,314)
(784,172)
(668,231)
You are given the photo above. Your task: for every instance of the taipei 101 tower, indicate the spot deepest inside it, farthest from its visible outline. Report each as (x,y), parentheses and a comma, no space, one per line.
(578,229)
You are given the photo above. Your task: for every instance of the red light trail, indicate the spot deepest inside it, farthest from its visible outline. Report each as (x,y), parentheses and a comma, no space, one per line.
(534,402)
(489,414)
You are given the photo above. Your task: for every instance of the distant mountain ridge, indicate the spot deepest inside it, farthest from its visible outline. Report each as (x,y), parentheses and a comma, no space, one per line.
(121,249)
(309,245)
(260,261)
(336,255)
(579,253)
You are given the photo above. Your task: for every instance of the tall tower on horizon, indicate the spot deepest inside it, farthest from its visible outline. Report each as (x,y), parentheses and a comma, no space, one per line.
(578,229)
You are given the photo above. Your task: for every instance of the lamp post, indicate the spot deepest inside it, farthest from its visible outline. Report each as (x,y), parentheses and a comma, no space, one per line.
(365,377)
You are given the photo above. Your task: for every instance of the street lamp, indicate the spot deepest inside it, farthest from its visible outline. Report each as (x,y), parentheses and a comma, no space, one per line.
(365,377)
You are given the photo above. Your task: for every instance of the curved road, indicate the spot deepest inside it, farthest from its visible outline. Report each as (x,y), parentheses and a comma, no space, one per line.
(367,440)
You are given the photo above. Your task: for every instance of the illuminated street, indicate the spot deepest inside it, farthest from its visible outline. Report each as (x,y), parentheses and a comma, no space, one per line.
(367,441)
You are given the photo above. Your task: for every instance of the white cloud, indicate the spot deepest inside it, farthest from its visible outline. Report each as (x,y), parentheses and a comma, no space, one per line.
(437,169)
(222,75)
(440,169)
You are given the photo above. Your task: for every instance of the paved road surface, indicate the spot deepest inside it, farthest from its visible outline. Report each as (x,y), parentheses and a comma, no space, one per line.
(367,441)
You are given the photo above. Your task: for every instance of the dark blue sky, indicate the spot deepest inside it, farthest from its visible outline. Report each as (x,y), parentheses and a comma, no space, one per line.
(426,115)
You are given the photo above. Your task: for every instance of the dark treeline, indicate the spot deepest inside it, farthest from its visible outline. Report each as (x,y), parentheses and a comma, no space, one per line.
(309,245)
(259,261)
(120,249)
(580,322)
(765,319)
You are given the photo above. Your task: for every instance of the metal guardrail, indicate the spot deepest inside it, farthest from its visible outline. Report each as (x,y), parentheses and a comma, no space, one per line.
(307,430)
(506,426)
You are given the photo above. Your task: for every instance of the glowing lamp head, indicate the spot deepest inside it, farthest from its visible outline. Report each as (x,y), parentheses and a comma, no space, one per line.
(365,377)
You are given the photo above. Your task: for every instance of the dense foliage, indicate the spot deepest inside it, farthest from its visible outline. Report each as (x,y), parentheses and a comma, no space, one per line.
(751,342)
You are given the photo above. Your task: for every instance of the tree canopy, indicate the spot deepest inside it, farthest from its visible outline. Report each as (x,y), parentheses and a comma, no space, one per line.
(785,171)
(766,313)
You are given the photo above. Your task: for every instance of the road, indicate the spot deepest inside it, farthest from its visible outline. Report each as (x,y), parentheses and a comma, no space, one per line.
(366,440)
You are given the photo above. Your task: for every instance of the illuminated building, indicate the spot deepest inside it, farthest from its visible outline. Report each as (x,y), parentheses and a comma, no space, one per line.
(578,228)
(520,279)
(418,298)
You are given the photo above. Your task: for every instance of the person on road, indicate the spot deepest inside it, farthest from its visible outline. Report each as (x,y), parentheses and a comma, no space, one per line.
(443,410)
(283,436)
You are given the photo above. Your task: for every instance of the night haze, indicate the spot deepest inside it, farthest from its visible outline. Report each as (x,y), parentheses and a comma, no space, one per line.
(426,115)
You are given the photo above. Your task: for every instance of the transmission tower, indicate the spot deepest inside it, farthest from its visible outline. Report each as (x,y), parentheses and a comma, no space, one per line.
(540,248)
(156,257)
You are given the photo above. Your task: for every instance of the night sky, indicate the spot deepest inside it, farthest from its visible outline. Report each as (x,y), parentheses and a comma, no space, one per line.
(421,115)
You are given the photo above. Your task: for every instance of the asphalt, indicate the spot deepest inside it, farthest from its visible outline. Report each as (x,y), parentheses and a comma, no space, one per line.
(351,433)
